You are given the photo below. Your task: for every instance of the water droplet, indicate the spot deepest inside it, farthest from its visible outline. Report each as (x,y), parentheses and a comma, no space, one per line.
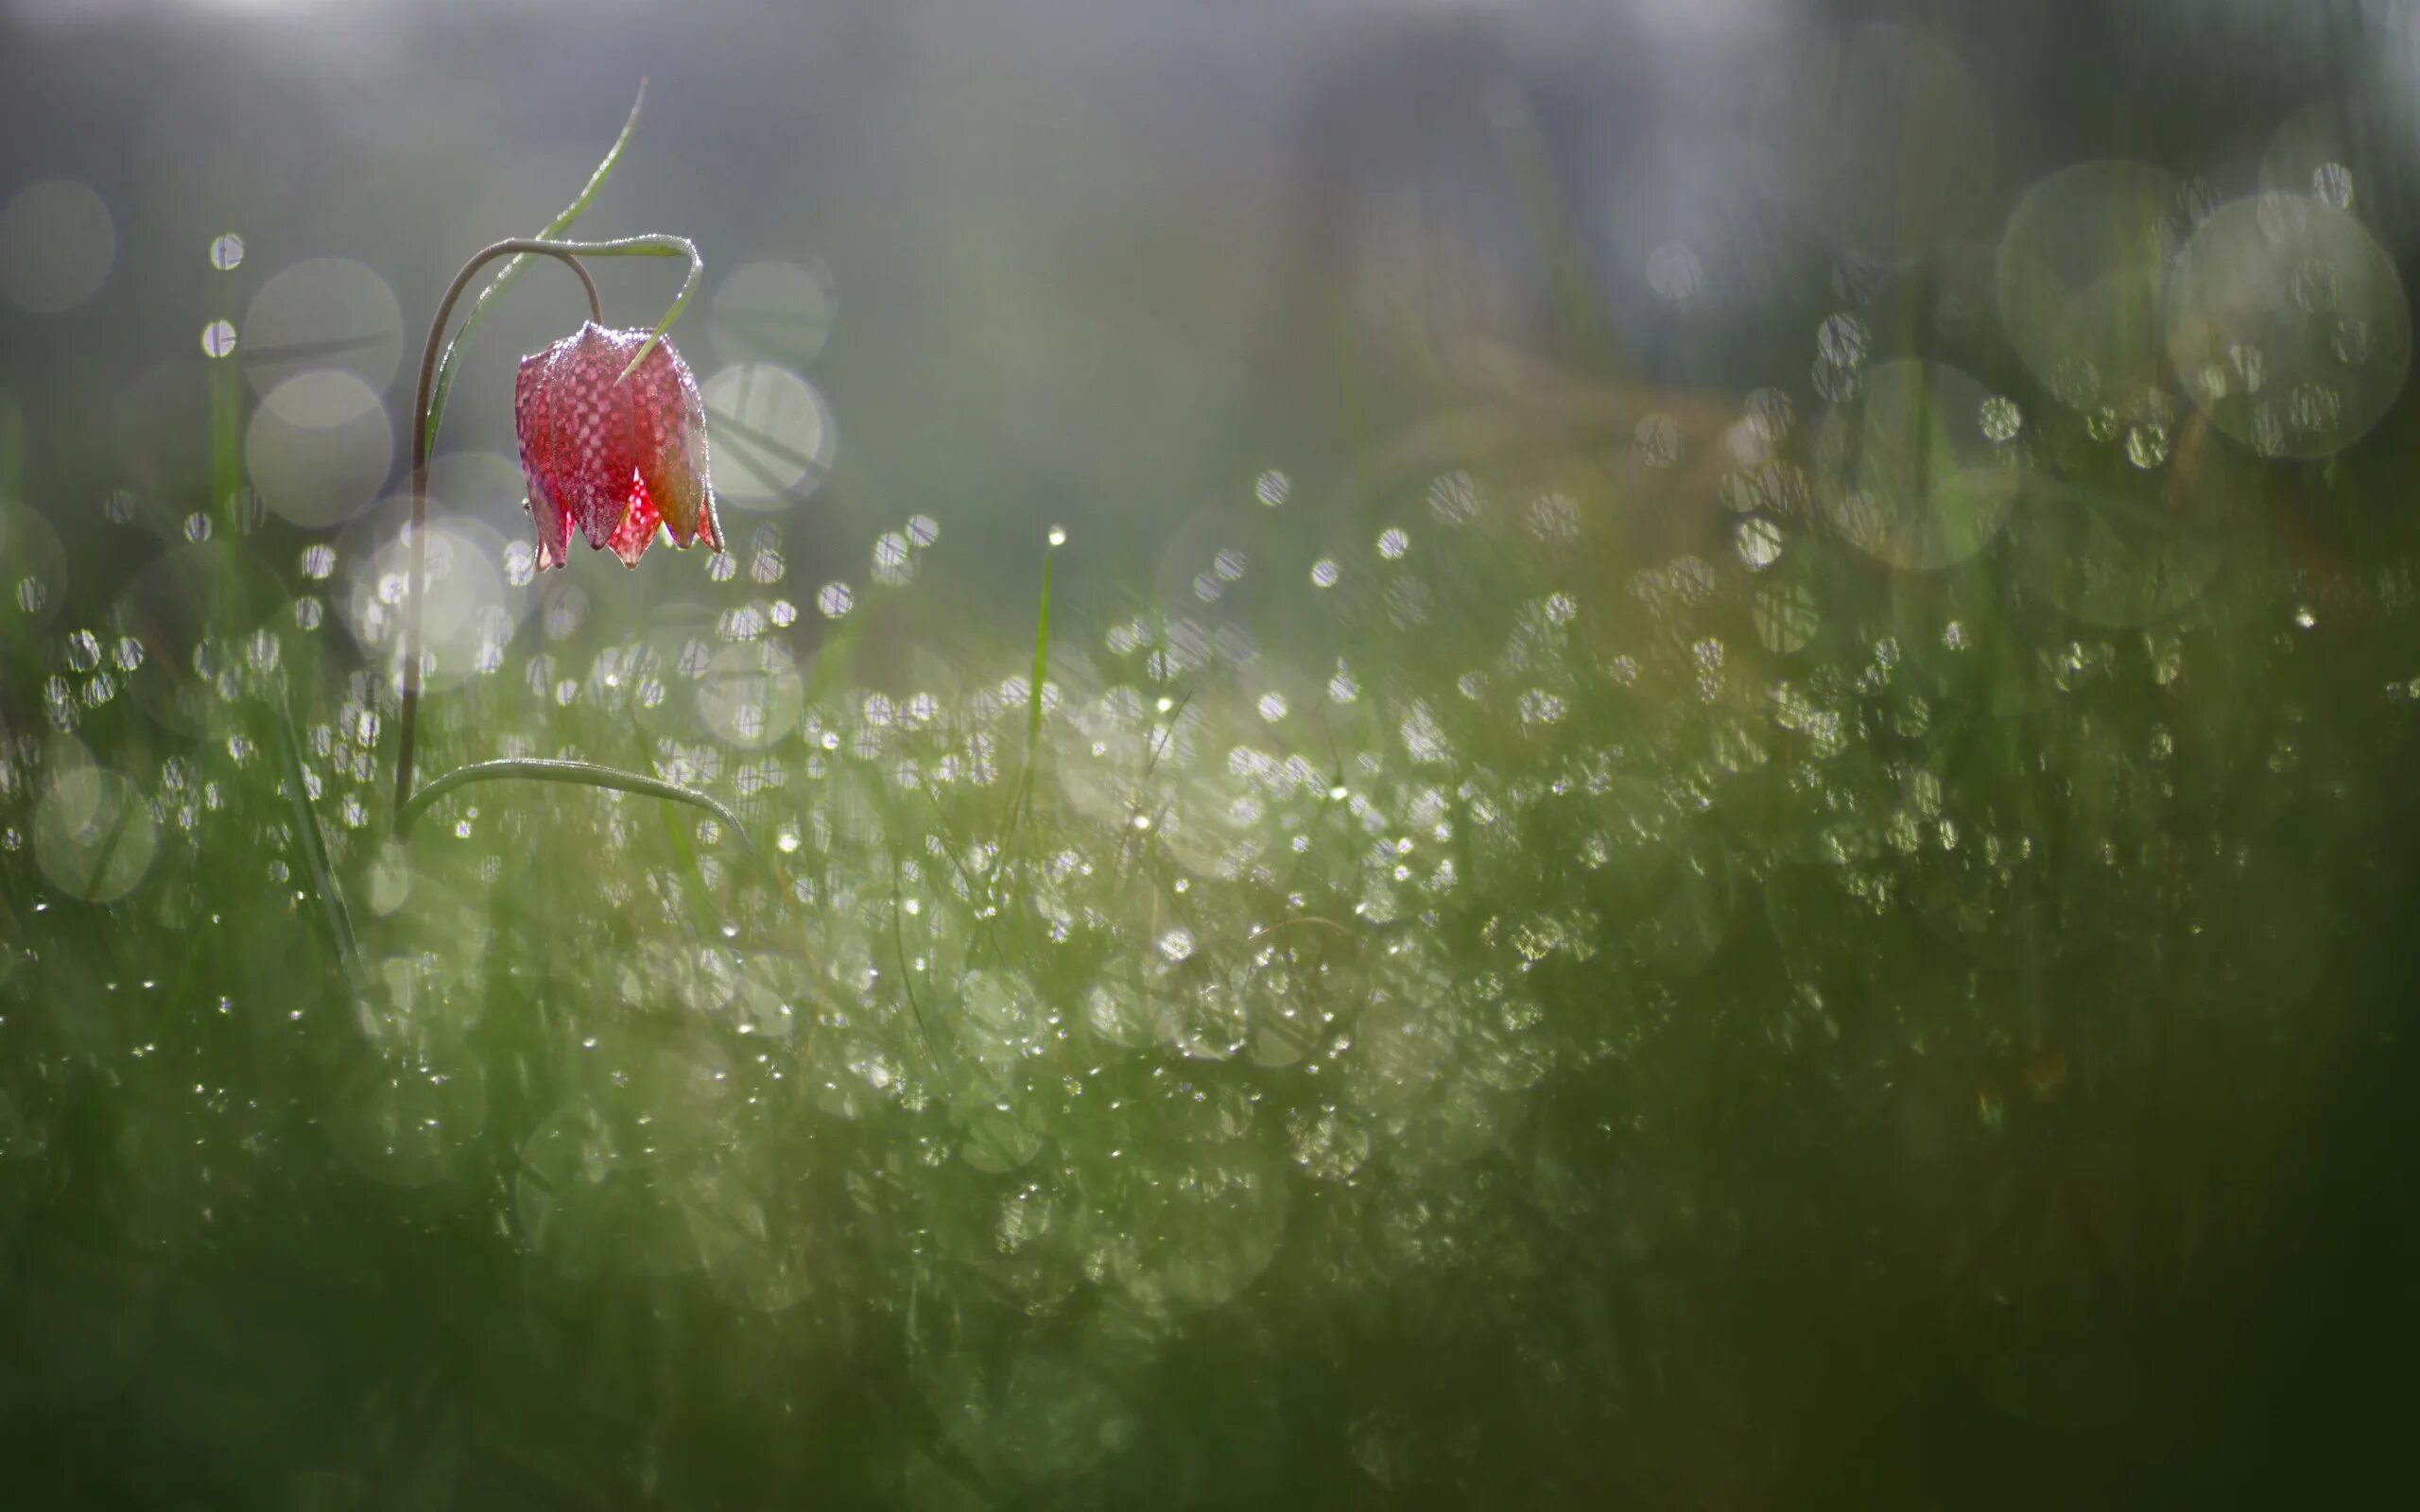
(1058,537)
(1771,413)
(2147,444)
(1857,278)
(2315,407)
(1842,341)
(1453,497)
(1759,543)
(2316,286)
(2353,342)
(218,338)
(2076,382)
(2250,368)
(1324,572)
(834,600)
(1836,383)
(1658,439)
(2196,201)
(1539,707)
(1554,517)
(1674,274)
(227,252)
(1272,488)
(1393,542)
(2000,419)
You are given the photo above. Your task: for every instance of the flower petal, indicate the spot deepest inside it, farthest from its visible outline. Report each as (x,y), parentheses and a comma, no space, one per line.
(554,526)
(596,415)
(637,532)
(678,478)
(539,462)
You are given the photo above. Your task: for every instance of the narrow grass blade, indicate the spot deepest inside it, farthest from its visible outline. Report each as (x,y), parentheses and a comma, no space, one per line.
(1034,696)
(657,246)
(1041,656)
(314,844)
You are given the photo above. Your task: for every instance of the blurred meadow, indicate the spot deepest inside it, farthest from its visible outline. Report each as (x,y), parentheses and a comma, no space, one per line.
(1510,754)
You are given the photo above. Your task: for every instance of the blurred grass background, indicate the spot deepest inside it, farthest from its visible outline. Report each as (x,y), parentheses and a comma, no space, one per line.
(1717,818)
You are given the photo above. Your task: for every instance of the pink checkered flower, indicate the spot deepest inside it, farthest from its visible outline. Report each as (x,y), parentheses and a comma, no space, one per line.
(615,456)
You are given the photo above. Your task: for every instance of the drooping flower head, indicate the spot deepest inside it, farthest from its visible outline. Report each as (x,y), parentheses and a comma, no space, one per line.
(615,459)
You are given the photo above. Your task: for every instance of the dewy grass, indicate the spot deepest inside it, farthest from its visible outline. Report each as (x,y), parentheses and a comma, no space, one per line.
(1619,908)
(1626,945)
(310,840)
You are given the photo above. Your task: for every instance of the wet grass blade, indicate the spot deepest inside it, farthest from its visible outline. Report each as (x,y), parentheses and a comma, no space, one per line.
(1041,656)
(314,843)
(1034,693)
(907,975)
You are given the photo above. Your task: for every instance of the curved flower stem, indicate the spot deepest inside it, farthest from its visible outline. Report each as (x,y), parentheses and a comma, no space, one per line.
(424,430)
(418,582)
(584,774)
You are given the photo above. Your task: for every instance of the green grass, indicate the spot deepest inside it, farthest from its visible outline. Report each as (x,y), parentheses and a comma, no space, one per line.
(1080,1036)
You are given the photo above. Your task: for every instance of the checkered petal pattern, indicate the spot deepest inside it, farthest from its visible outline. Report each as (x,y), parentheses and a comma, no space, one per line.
(613,457)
